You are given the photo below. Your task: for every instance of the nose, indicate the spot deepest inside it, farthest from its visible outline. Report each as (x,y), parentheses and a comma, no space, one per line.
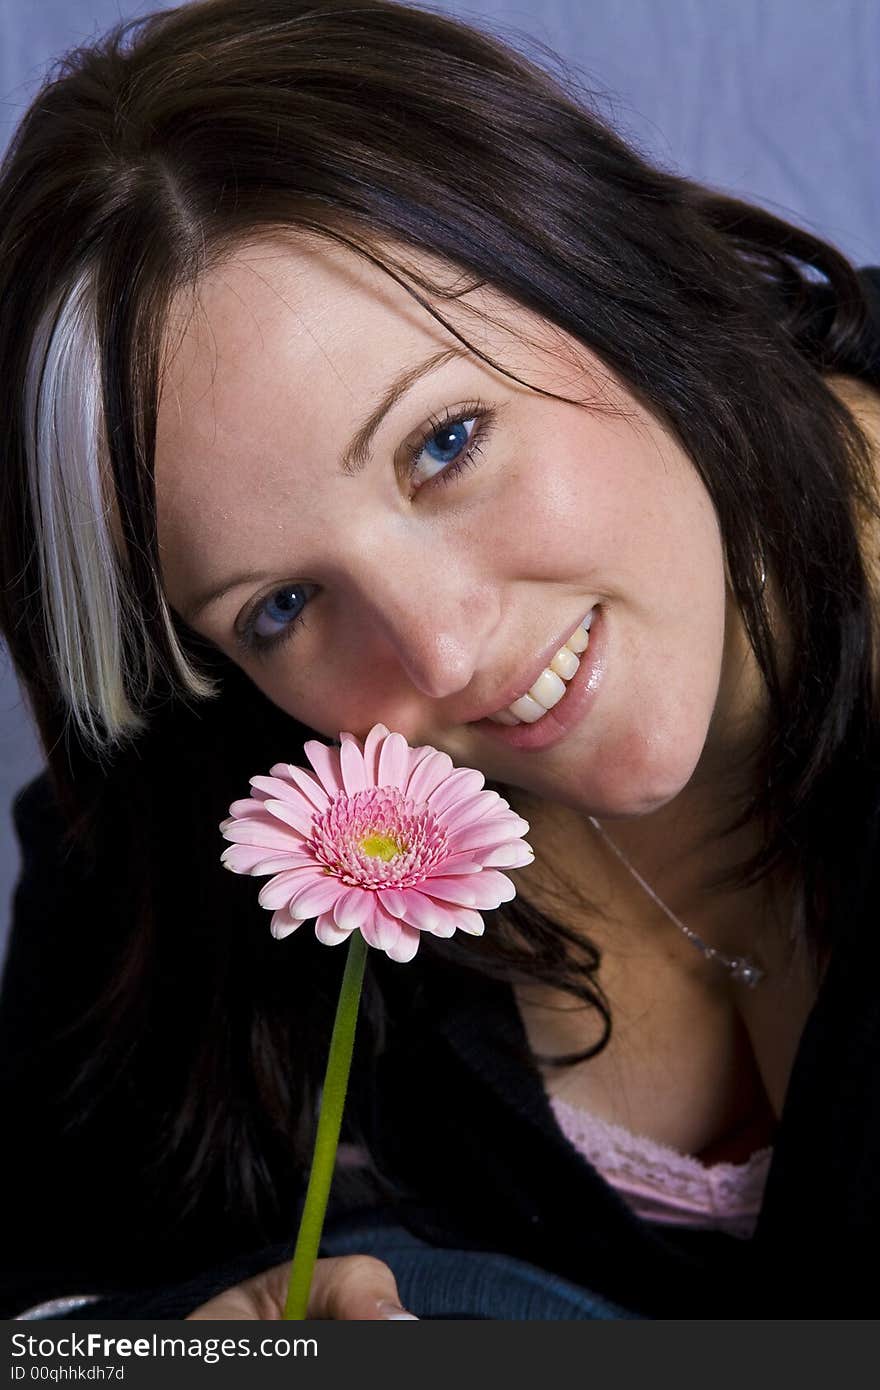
(434,620)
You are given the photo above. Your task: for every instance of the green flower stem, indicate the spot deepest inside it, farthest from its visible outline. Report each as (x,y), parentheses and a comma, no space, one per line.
(327,1139)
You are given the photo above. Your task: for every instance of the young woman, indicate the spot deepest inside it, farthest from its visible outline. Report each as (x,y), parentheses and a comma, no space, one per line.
(352,371)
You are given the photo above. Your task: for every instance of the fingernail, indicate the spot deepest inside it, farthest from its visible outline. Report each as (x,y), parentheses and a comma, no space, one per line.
(393,1312)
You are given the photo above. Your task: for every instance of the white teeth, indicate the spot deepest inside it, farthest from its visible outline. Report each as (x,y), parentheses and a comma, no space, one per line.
(548,689)
(550,686)
(503,717)
(526,709)
(565,663)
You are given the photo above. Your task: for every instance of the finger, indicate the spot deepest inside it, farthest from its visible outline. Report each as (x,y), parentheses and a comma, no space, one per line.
(232,1305)
(260,1298)
(355,1287)
(344,1287)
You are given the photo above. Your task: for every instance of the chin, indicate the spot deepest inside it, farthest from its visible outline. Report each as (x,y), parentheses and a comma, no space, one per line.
(645,773)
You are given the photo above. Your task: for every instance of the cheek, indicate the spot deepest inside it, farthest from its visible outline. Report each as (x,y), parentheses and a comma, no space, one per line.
(660,717)
(576,495)
(531,524)
(545,506)
(302,696)
(329,700)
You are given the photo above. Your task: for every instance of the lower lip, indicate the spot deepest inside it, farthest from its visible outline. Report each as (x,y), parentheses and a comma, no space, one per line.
(580,693)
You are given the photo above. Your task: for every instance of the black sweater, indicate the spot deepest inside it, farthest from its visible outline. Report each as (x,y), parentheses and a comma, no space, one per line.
(459,1126)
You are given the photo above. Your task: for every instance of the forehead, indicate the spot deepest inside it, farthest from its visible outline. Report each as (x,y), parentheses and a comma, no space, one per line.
(267,367)
(312,316)
(313,302)
(283,350)
(324,319)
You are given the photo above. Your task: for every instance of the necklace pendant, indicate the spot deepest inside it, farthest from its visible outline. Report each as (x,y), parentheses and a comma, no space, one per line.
(746,972)
(741,968)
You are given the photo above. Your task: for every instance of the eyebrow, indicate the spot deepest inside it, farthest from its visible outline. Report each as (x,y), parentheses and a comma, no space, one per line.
(354,460)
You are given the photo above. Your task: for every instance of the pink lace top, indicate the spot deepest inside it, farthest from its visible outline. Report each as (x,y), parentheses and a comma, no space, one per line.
(663,1185)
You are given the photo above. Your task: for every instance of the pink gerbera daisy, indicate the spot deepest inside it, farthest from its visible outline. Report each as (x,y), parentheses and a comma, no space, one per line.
(382,838)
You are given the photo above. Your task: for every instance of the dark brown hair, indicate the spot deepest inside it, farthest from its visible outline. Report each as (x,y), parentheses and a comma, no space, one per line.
(148,156)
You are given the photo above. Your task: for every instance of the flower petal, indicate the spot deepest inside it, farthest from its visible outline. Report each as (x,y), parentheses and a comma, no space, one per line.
(305,782)
(406,945)
(393,762)
(242,859)
(351,763)
(398,940)
(282,924)
(445,926)
(488,833)
(516,855)
(431,771)
(301,817)
(280,789)
(458,919)
(418,755)
(370,930)
(480,807)
(424,913)
(279,891)
(246,807)
(319,897)
(464,782)
(484,890)
(327,931)
(468,862)
(372,747)
(277,863)
(269,789)
(353,908)
(393,900)
(269,833)
(325,761)
(467,920)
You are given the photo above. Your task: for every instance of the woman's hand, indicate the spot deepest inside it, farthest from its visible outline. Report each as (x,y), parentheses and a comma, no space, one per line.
(346,1287)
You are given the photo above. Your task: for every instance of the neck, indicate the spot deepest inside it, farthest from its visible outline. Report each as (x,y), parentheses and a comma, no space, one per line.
(678,850)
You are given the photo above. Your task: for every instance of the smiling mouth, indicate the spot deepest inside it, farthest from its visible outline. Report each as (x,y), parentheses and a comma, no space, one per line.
(551,684)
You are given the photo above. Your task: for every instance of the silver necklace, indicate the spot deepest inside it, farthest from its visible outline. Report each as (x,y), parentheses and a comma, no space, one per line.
(743,969)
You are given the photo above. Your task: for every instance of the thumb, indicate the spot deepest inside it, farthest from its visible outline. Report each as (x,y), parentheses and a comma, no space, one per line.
(355,1287)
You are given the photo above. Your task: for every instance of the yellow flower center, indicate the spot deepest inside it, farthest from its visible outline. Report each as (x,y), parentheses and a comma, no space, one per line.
(380,847)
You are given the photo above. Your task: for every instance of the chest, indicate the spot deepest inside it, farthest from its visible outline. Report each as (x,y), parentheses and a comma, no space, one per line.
(693,1062)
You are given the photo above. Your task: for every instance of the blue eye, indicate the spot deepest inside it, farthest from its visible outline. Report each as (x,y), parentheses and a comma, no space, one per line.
(450,445)
(288,613)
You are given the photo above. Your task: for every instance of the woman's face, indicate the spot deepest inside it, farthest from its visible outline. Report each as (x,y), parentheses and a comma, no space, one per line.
(405,592)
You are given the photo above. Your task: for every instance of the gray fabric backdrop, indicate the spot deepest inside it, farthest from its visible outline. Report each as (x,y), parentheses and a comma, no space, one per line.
(777,100)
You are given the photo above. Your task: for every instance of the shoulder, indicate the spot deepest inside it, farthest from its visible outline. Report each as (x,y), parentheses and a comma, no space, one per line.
(863,402)
(60,930)
(45,837)
(35,810)
(862,395)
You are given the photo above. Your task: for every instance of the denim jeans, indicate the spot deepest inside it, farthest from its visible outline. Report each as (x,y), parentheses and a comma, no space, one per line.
(433,1282)
(436,1283)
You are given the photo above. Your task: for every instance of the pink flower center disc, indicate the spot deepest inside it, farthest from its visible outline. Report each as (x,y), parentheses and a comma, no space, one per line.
(378,839)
